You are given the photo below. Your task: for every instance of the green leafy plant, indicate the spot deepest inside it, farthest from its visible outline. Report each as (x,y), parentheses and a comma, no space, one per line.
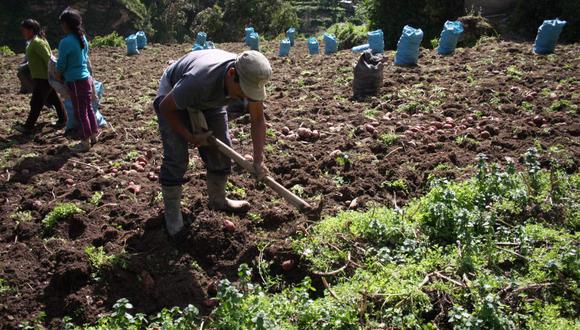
(59,212)
(96,198)
(389,139)
(6,51)
(98,259)
(234,190)
(298,190)
(514,73)
(21,216)
(111,40)
(4,287)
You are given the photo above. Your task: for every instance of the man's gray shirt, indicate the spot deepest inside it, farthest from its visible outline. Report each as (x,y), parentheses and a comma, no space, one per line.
(197,79)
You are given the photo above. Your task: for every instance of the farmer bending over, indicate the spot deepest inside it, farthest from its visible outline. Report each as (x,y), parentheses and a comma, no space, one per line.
(208,80)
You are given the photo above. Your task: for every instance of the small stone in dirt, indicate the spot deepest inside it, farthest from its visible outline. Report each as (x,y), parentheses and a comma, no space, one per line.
(152,176)
(370,128)
(137,167)
(335,153)
(69,181)
(485,135)
(436,124)
(447,126)
(147,280)
(229,226)
(134,188)
(288,265)
(353,204)
(249,157)
(431,147)
(285,130)
(539,121)
(315,134)
(530,96)
(304,133)
(37,204)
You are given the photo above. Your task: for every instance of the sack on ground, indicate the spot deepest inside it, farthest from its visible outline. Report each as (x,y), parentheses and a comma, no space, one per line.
(57,85)
(131,42)
(449,37)
(72,122)
(368,75)
(25,78)
(548,35)
(408,46)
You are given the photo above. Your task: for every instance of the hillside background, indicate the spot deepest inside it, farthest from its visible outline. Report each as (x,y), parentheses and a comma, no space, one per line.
(167,21)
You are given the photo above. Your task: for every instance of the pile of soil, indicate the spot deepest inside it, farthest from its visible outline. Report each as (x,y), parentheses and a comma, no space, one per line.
(431,120)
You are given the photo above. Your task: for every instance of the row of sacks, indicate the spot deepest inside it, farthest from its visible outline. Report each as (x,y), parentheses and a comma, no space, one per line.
(330,44)
(368,72)
(135,42)
(410,41)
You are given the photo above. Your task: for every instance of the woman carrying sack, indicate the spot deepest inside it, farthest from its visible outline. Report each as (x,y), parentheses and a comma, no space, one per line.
(38,55)
(73,64)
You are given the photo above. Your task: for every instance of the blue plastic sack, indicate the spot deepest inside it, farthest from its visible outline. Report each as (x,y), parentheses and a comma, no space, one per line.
(408,46)
(377,41)
(330,44)
(449,37)
(248,32)
(313,46)
(360,48)
(201,38)
(197,47)
(254,41)
(285,46)
(548,35)
(291,35)
(141,40)
(72,122)
(131,42)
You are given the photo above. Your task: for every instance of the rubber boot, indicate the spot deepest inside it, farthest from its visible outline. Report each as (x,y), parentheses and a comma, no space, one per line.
(216,190)
(172,205)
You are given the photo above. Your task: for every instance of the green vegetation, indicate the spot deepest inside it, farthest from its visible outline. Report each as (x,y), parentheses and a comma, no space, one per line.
(389,139)
(99,258)
(349,35)
(121,318)
(96,198)
(59,212)
(21,216)
(498,251)
(111,40)
(4,287)
(514,73)
(235,191)
(6,51)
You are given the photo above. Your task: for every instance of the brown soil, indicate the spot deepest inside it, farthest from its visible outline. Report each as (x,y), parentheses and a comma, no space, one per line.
(473,89)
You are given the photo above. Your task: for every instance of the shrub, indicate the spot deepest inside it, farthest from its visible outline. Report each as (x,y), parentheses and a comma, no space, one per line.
(6,51)
(61,211)
(349,35)
(111,40)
